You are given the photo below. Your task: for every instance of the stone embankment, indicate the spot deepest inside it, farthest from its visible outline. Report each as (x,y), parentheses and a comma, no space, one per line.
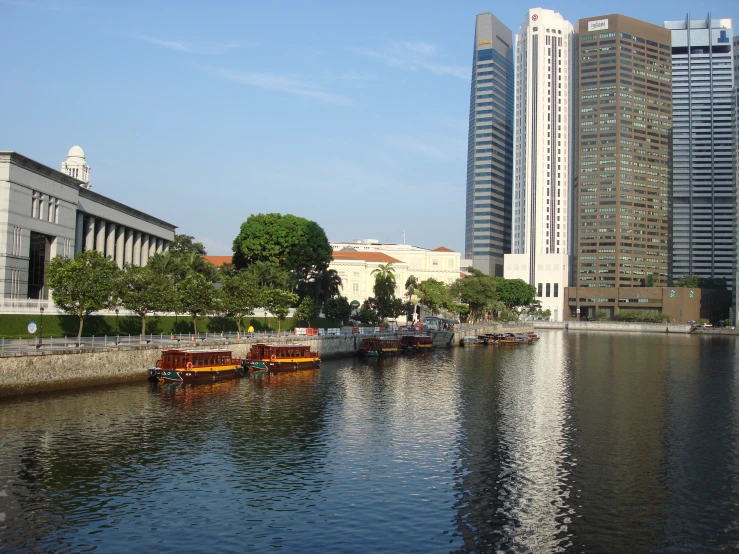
(42,371)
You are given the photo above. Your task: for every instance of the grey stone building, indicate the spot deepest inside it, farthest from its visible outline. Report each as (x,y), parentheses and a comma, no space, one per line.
(46,213)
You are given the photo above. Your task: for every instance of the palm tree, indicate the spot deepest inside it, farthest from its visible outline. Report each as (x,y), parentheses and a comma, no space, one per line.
(384,280)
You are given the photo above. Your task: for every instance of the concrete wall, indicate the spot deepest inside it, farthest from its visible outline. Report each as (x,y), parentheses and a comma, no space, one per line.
(614,327)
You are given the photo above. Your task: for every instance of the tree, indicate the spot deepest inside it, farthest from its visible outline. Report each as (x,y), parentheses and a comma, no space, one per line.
(320,286)
(286,241)
(434,295)
(384,280)
(144,291)
(84,284)
(410,286)
(306,311)
(515,292)
(338,308)
(367,316)
(477,290)
(278,303)
(238,296)
(650,280)
(184,256)
(196,297)
(271,276)
(687,282)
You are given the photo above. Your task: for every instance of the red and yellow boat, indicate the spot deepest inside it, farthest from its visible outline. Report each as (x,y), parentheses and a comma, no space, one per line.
(274,357)
(196,366)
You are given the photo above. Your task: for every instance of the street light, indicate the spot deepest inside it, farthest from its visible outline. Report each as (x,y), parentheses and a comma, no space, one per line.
(41,333)
(116,322)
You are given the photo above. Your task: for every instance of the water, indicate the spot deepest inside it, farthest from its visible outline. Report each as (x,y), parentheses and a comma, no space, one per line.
(580,443)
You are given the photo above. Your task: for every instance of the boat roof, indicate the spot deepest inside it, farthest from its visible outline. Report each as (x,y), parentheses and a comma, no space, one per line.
(280,345)
(202,351)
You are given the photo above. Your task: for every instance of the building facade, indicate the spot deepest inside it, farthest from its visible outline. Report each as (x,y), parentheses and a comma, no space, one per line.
(542,169)
(703,149)
(622,195)
(490,147)
(46,213)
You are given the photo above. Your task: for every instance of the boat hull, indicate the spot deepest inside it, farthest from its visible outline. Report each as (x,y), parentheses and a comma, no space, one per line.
(205,375)
(254,366)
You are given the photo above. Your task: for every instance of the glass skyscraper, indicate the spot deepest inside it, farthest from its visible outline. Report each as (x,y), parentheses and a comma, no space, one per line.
(490,147)
(704,178)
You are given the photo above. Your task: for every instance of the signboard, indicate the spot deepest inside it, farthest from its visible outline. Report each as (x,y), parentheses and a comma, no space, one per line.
(672,293)
(598,25)
(32,327)
(485,42)
(691,294)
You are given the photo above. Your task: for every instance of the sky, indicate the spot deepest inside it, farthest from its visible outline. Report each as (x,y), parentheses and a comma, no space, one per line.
(351,114)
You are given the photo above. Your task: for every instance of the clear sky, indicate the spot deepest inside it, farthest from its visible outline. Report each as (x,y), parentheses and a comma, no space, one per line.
(352,114)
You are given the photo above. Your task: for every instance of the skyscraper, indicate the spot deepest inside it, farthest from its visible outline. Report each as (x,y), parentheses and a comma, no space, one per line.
(542,172)
(490,147)
(704,178)
(622,201)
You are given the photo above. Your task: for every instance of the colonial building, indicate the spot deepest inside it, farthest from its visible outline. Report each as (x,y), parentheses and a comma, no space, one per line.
(46,213)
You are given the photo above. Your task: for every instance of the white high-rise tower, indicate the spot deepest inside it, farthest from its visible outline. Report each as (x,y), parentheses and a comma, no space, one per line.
(542,157)
(76,166)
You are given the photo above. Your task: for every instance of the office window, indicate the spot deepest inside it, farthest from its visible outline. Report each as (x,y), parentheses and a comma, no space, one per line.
(556,290)
(538,290)
(548,289)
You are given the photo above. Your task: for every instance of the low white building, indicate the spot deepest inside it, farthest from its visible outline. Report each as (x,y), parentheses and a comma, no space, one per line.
(46,213)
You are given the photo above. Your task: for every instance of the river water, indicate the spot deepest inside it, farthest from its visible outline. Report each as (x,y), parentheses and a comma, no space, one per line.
(583,442)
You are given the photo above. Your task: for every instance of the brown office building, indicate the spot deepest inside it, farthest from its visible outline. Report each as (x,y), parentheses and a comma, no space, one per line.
(622,179)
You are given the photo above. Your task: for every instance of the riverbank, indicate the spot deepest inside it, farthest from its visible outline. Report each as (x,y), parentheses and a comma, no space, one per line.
(614,326)
(44,371)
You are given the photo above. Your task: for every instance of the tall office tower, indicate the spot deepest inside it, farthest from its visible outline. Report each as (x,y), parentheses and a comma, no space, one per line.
(542,166)
(623,175)
(736,176)
(703,177)
(490,147)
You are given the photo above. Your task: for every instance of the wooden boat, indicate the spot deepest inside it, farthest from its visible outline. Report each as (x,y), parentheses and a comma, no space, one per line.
(416,343)
(275,357)
(196,366)
(533,336)
(379,346)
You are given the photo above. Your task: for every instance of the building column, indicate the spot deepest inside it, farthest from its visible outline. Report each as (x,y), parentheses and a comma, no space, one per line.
(100,236)
(110,240)
(165,246)
(120,238)
(152,246)
(159,245)
(128,255)
(90,234)
(137,248)
(79,233)
(145,249)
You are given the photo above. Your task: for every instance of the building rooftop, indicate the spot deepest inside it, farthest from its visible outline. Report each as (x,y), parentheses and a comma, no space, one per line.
(377,257)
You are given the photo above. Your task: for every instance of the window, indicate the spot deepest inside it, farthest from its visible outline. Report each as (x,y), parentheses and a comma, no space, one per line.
(548,289)
(538,290)
(355,287)
(556,290)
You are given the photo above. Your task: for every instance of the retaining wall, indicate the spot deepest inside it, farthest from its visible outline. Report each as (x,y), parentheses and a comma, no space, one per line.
(612,326)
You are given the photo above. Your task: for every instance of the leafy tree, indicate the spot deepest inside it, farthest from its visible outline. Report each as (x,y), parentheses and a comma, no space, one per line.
(269,275)
(477,290)
(306,311)
(320,286)
(650,280)
(434,295)
(384,280)
(687,282)
(286,241)
(84,284)
(196,297)
(515,292)
(278,303)
(410,285)
(367,316)
(338,308)
(144,291)
(238,296)
(183,257)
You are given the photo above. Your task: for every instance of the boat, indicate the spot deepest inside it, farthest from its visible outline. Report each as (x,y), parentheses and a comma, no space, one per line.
(533,336)
(276,357)
(379,346)
(196,366)
(416,343)
(469,341)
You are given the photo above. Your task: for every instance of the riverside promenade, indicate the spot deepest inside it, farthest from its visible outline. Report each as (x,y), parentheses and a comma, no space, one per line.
(34,371)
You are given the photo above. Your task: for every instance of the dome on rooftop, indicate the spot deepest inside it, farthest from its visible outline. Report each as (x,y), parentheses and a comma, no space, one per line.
(76,152)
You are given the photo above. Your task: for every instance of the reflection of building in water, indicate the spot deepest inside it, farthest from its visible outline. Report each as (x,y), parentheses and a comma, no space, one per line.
(516,492)
(618,388)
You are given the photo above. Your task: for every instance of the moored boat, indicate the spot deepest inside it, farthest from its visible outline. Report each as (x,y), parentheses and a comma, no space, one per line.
(379,346)
(416,343)
(196,366)
(275,357)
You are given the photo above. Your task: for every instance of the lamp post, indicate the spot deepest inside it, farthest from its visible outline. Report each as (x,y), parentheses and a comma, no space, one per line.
(41,331)
(116,322)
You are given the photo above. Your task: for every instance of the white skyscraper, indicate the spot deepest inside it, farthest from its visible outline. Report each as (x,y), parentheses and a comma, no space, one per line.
(76,166)
(542,157)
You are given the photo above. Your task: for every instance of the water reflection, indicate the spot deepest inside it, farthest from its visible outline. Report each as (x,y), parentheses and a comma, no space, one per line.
(582,442)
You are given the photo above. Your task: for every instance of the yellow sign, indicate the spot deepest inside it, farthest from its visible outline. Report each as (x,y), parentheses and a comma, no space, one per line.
(485,42)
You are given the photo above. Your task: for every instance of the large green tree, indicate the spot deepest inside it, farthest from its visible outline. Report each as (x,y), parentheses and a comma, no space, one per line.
(286,241)
(320,286)
(184,256)
(338,308)
(144,291)
(384,280)
(434,295)
(515,292)
(306,311)
(477,290)
(87,283)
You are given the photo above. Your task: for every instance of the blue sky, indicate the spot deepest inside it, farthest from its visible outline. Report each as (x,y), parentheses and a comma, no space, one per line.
(352,114)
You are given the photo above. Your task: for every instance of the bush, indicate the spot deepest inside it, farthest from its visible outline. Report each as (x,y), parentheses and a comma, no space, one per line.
(642,316)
